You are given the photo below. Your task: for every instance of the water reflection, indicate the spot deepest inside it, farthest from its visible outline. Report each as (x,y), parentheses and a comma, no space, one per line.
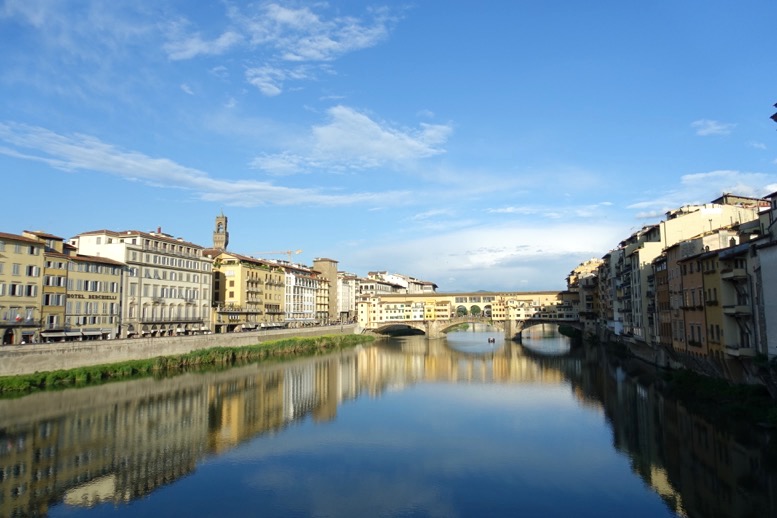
(120,442)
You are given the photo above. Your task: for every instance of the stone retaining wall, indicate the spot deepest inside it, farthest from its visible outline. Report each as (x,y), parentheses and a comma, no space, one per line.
(30,358)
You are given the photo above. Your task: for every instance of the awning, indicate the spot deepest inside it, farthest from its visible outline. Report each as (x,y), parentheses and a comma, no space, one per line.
(92,333)
(52,334)
(72,333)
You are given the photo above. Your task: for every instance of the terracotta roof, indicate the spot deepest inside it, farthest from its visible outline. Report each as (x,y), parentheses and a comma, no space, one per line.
(15,237)
(44,235)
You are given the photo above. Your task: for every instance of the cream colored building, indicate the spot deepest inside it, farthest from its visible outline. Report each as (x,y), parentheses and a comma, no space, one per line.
(21,270)
(93,308)
(167,288)
(248,292)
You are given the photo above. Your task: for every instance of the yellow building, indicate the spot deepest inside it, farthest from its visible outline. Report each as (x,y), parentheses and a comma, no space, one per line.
(21,269)
(248,292)
(54,285)
(323,299)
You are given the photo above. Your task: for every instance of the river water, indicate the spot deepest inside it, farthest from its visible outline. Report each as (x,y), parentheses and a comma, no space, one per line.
(407,427)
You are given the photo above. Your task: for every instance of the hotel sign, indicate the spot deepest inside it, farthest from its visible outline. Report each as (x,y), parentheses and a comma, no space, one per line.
(90,296)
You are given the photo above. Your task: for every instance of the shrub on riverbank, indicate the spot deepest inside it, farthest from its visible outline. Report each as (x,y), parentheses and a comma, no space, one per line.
(203,358)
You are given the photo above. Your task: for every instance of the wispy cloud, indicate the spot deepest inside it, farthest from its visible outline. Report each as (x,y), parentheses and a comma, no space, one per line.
(353,140)
(282,43)
(304,35)
(554,212)
(187,89)
(86,153)
(707,127)
(700,188)
(182,46)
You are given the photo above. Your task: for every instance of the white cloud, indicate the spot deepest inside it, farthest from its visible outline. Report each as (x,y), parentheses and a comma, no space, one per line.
(352,140)
(554,212)
(757,145)
(187,89)
(518,255)
(86,153)
(707,127)
(699,188)
(182,46)
(303,35)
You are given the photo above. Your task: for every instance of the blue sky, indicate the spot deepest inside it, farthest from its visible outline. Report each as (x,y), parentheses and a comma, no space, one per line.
(479,145)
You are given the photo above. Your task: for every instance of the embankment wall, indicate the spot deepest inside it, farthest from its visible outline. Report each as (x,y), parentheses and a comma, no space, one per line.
(30,358)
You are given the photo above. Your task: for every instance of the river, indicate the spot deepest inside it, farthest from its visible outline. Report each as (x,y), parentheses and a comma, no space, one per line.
(408,427)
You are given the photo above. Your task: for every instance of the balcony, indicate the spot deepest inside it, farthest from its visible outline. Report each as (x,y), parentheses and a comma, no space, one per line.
(733,274)
(737,311)
(737,351)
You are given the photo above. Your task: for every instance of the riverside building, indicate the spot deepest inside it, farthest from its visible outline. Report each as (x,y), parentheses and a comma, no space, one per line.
(167,288)
(80,295)
(248,293)
(21,267)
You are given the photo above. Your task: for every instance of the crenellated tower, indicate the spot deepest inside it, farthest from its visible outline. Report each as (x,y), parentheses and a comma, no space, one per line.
(220,233)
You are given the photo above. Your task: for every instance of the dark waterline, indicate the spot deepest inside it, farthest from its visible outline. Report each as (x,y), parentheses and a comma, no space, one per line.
(407,427)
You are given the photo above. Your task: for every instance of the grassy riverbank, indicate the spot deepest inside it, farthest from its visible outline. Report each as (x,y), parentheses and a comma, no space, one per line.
(216,357)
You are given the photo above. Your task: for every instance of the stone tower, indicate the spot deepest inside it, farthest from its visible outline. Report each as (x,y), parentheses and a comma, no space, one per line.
(220,234)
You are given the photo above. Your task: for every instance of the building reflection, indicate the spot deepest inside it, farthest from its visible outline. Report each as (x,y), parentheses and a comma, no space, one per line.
(121,441)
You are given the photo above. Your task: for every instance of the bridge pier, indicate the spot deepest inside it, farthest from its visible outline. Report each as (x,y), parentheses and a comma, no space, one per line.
(433,329)
(513,329)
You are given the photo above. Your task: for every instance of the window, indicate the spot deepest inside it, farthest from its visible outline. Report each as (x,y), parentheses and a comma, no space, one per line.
(16,269)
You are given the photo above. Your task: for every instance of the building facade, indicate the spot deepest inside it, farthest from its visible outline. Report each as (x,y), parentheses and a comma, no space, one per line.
(22,263)
(167,289)
(248,292)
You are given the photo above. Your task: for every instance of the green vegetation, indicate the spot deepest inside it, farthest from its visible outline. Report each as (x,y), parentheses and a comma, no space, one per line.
(203,359)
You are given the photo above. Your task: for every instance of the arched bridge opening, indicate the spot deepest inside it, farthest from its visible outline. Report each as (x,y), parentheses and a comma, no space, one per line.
(532,322)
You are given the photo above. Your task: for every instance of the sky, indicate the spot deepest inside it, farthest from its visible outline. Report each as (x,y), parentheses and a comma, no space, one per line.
(477,145)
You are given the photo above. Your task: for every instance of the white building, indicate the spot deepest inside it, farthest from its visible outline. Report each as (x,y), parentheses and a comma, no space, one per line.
(347,290)
(167,288)
(302,285)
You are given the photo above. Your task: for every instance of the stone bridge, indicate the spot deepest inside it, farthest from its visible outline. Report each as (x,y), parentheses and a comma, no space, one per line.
(437,328)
